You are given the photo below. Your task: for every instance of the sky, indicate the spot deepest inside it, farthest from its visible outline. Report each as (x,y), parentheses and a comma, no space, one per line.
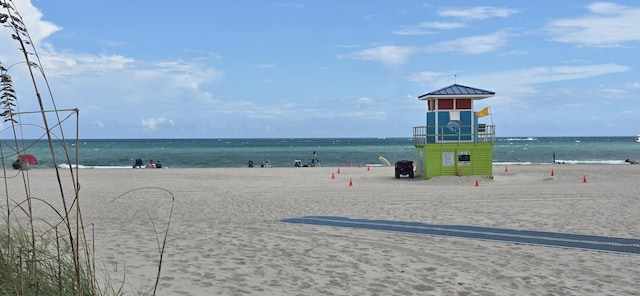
(329,69)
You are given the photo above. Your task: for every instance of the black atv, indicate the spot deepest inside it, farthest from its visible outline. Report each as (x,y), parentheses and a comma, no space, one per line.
(404,168)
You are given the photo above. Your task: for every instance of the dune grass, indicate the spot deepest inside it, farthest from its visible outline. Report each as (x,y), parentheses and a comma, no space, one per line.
(43,268)
(51,256)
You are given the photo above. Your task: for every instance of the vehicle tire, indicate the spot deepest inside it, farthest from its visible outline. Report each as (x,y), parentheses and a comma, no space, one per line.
(397,175)
(411,175)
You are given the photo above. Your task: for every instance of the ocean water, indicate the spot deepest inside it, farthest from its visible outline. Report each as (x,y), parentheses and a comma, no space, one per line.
(205,153)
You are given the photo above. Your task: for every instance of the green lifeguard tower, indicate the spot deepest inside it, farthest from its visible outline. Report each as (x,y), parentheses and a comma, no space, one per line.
(454,142)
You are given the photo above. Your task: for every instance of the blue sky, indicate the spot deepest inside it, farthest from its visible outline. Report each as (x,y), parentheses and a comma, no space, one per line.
(285,69)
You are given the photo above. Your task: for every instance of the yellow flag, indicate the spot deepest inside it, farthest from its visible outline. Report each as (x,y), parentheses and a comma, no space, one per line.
(483,112)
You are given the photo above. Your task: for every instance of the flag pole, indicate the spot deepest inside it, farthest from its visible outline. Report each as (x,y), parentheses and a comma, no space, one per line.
(492,125)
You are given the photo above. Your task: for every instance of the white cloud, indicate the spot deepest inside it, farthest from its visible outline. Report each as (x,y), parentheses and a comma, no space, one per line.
(612,92)
(389,54)
(398,55)
(428,28)
(365,100)
(561,73)
(605,8)
(634,85)
(412,31)
(153,123)
(472,45)
(37,28)
(64,64)
(442,25)
(522,81)
(477,13)
(32,17)
(608,25)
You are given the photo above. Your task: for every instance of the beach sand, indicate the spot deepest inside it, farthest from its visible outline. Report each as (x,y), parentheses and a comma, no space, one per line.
(225,237)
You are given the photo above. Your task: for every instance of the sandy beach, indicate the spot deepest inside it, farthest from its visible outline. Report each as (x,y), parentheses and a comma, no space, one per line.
(225,236)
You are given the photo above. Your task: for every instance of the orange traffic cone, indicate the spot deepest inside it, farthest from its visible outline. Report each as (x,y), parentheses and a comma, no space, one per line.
(477,183)
(338,170)
(506,169)
(584,179)
(368,168)
(350,182)
(332,176)
(552,173)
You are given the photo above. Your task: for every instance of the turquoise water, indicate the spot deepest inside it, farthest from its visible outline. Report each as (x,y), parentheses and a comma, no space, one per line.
(605,150)
(202,153)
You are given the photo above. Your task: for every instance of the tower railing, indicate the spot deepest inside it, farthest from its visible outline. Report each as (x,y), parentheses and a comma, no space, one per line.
(480,133)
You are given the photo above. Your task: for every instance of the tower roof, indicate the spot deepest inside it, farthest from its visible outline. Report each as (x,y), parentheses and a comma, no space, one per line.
(458,91)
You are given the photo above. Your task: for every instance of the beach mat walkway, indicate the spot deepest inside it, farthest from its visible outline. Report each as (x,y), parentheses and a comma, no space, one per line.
(541,238)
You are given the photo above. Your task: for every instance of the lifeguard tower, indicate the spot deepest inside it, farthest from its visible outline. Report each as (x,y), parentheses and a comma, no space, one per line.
(454,142)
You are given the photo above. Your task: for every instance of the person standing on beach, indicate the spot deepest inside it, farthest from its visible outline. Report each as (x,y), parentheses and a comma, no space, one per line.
(315,159)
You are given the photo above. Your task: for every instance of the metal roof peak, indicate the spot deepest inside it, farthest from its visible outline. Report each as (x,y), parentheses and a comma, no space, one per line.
(458,90)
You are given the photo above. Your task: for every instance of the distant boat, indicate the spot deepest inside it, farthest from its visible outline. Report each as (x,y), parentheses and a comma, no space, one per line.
(637,140)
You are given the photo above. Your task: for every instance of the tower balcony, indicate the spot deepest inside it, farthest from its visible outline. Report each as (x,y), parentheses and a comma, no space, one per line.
(481,133)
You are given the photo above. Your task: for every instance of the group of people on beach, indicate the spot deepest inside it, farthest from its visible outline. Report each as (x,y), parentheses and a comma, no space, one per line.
(315,162)
(150,165)
(266,163)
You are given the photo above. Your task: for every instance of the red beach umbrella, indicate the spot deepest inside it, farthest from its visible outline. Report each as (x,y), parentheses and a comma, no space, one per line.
(30,159)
